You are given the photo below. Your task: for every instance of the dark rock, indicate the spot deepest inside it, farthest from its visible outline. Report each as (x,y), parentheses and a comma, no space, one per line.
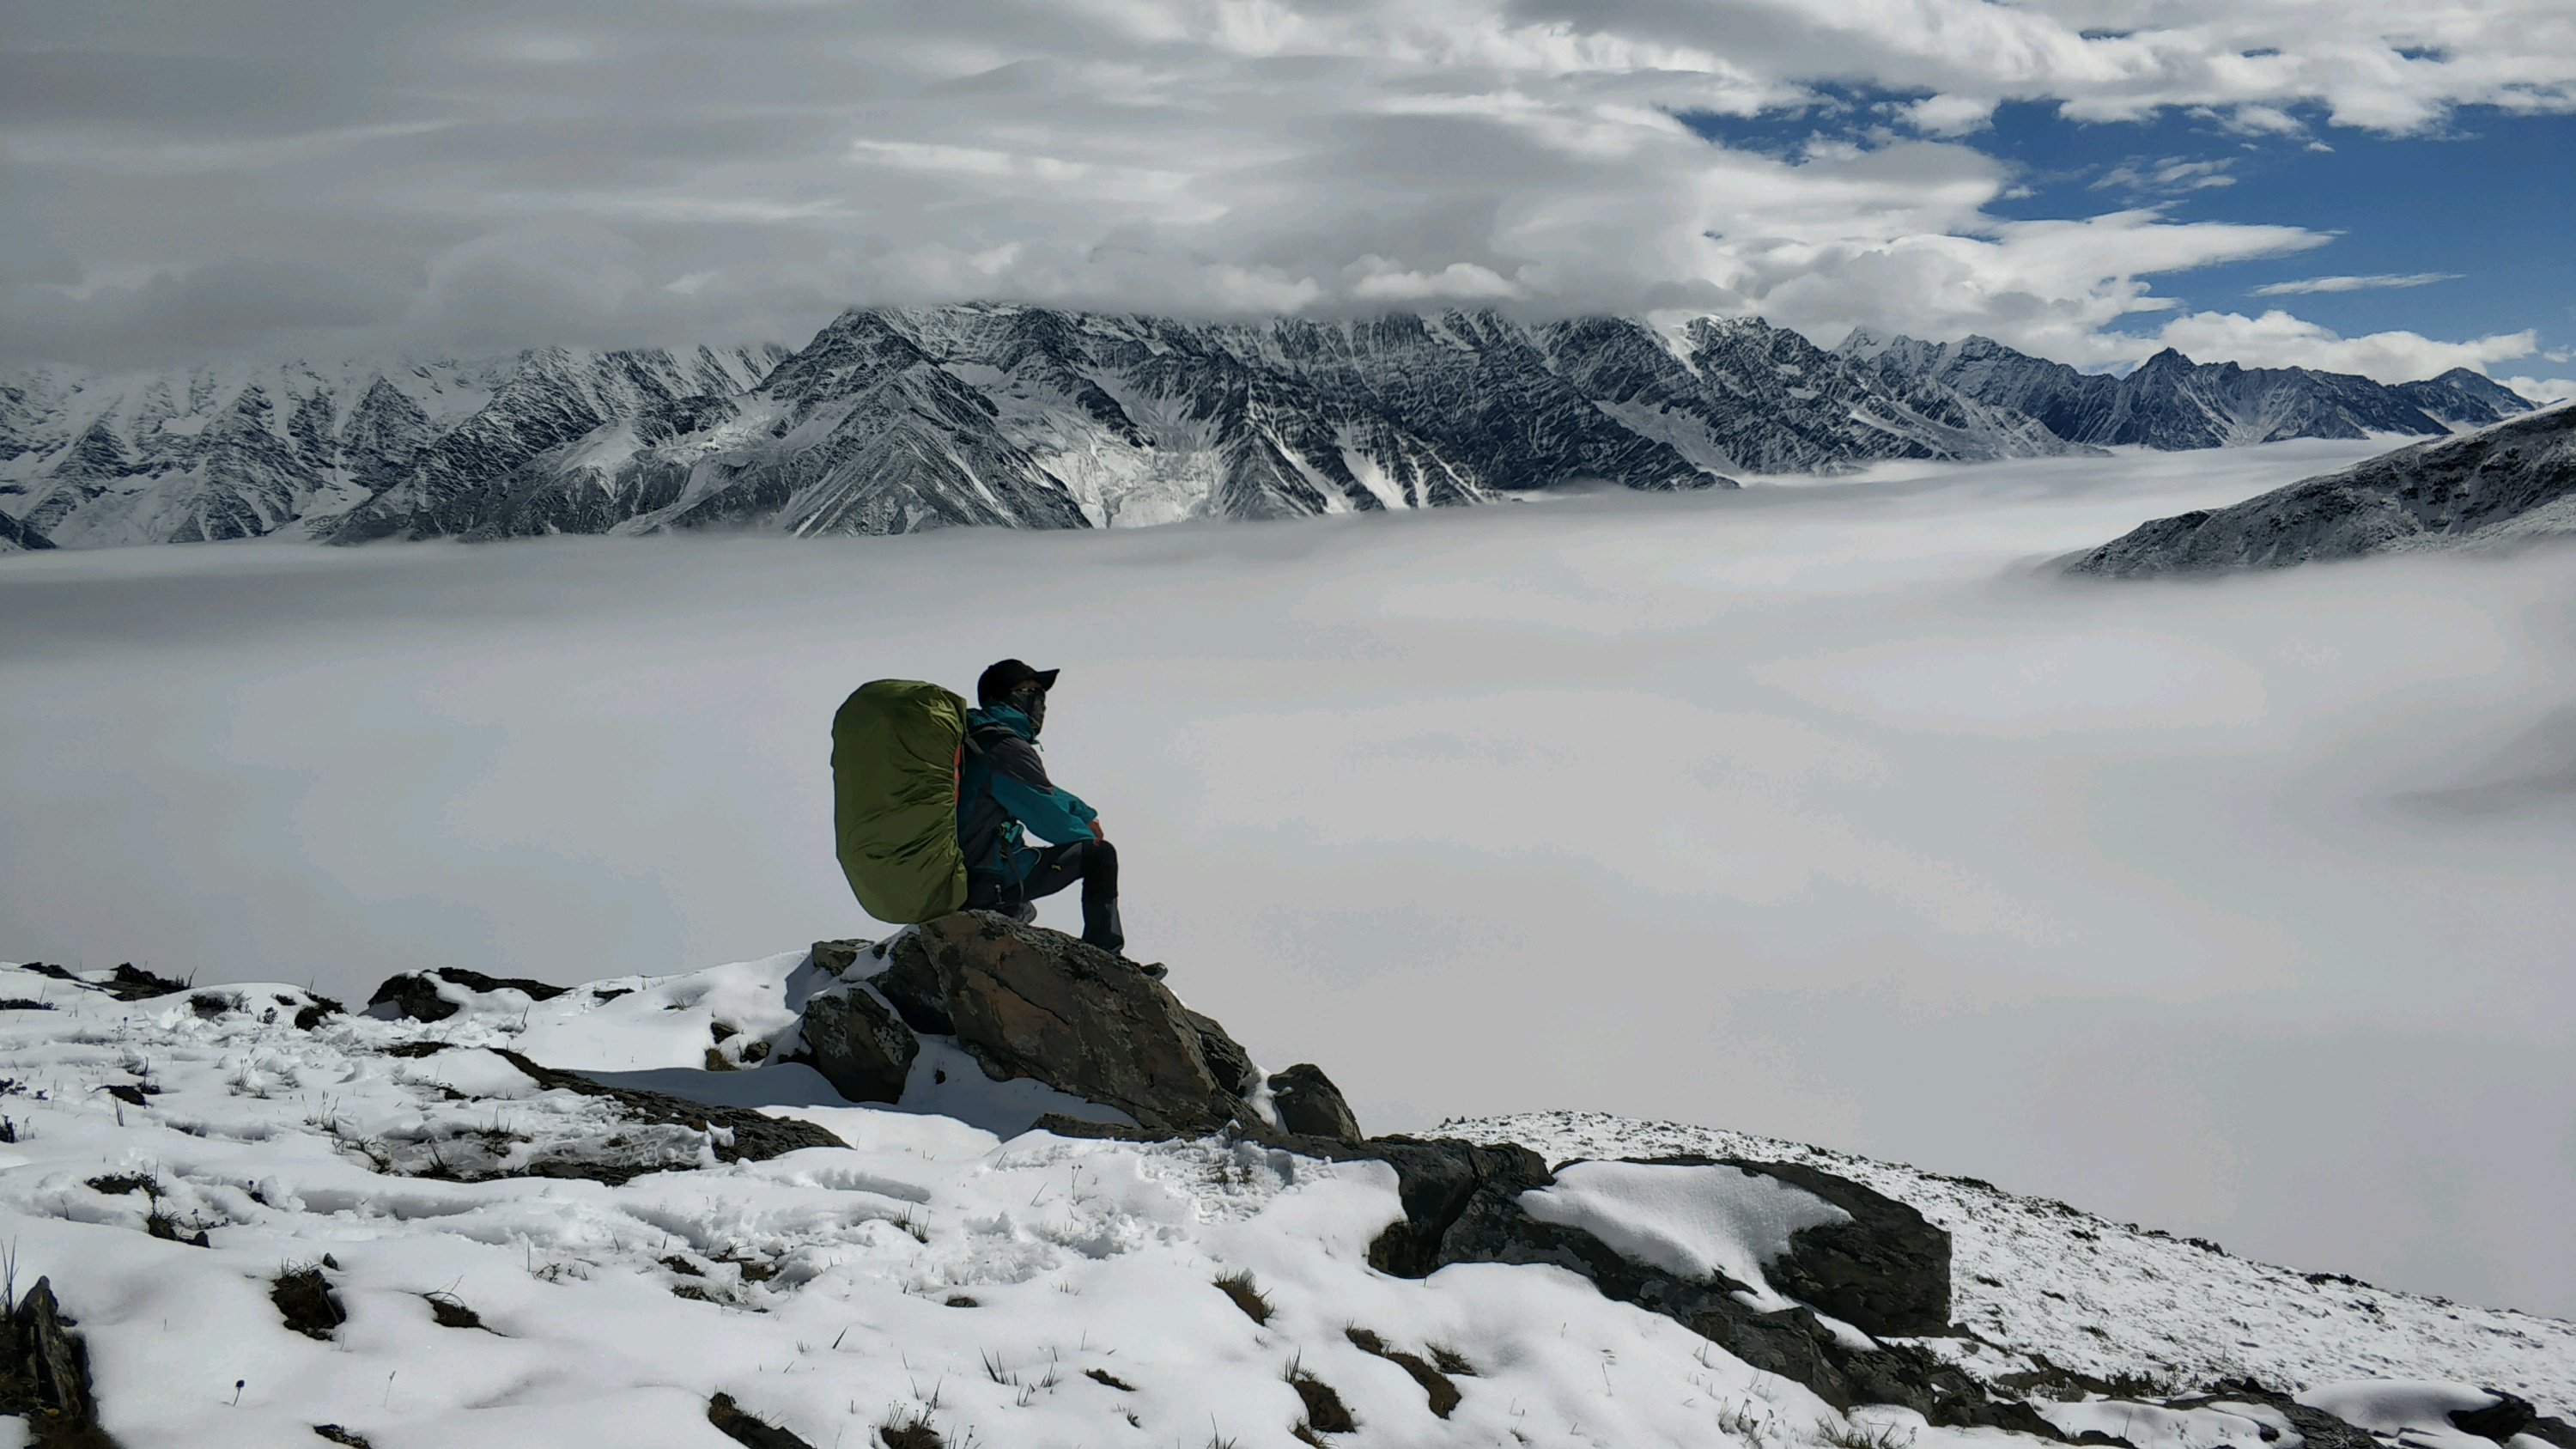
(127,1092)
(415,994)
(338,1435)
(1030,1002)
(1886,1272)
(1462,1205)
(912,984)
(305,1299)
(742,1428)
(1227,1060)
(448,1311)
(1310,1105)
(2554,1430)
(837,957)
(756,1136)
(858,1045)
(311,1014)
(2316,1428)
(129,982)
(2509,1415)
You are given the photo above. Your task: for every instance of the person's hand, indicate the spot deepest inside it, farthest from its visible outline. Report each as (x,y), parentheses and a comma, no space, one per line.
(1096,832)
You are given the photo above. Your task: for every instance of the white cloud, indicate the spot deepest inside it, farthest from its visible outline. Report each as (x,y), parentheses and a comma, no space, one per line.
(2277,339)
(2354,284)
(2542,389)
(753,169)
(2173,173)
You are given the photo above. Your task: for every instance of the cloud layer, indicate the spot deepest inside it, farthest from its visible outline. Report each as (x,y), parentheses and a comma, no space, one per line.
(2239,909)
(483,176)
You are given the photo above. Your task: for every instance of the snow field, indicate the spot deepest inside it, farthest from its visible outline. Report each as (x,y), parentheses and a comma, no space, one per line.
(932,1270)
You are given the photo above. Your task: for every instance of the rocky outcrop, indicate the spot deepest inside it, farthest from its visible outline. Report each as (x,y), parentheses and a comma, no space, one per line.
(1029,1002)
(2508,484)
(735,1134)
(1309,1105)
(44,1376)
(417,995)
(1885,1271)
(858,1045)
(1462,1204)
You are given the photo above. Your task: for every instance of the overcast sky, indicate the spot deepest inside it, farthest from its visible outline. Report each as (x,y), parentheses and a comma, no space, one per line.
(2375,186)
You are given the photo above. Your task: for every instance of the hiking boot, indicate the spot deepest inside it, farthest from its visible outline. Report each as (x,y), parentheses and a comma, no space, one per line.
(1024,912)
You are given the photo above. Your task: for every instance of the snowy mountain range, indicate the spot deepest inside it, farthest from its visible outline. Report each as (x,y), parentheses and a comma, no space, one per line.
(2170,402)
(635,1213)
(898,420)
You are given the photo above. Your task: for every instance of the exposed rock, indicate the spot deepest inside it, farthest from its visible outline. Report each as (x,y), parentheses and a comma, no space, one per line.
(1885,1272)
(1227,1060)
(416,995)
(304,1298)
(2509,1415)
(737,1134)
(742,1428)
(2508,484)
(1462,1205)
(910,982)
(835,958)
(2317,1429)
(1309,1105)
(1030,1002)
(45,1378)
(858,1045)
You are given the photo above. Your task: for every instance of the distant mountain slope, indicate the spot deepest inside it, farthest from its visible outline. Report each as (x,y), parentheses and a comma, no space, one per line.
(2171,402)
(2513,481)
(239,451)
(895,420)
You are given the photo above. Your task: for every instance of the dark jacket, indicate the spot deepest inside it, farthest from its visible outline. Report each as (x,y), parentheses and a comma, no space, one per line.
(1002,787)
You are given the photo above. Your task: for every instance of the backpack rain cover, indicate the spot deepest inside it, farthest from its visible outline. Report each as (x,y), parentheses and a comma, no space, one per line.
(895,746)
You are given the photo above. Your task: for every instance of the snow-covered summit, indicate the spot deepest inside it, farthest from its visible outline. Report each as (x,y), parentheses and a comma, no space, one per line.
(268,1217)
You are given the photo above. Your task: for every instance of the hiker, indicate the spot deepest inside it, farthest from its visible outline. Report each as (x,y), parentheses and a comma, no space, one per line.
(1003,788)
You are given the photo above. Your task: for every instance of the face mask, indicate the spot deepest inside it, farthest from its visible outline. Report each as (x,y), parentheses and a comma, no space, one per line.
(1032,702)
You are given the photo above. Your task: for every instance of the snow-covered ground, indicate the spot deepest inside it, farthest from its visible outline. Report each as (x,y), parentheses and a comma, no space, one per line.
(1019,1290)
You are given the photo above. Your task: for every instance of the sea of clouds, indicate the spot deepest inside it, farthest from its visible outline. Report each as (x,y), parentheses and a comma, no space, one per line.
(2235,907)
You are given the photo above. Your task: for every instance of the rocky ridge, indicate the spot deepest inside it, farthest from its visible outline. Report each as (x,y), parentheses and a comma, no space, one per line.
(2170,402)
(2503,486)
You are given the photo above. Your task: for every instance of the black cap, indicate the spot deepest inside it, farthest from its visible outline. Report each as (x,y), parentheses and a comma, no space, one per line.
(1010,674)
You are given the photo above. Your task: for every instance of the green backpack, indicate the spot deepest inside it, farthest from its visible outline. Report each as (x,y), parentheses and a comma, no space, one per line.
(896,748)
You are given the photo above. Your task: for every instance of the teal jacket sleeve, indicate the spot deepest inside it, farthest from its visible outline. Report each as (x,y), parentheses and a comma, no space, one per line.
(1055,815)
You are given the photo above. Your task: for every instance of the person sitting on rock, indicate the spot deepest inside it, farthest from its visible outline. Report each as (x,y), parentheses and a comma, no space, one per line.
(1003,790)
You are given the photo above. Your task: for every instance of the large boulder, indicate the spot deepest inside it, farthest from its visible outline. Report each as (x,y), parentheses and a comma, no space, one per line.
(858,1045)
(1309,1105)
(1030,1002)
